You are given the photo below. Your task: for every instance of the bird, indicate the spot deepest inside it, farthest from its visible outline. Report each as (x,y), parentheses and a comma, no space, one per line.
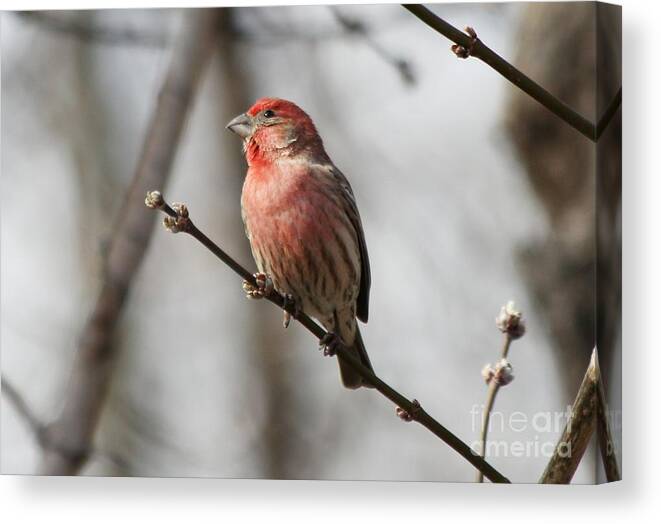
(302,221)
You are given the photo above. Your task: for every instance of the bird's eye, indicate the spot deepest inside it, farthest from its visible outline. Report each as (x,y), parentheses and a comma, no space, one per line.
(269,113)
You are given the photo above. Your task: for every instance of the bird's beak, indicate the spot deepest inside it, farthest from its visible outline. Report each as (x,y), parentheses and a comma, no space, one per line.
(242,125)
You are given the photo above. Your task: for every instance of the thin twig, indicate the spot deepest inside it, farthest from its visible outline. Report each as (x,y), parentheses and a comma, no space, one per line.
(510,322)
(179,221)
(604,434)
(39,432)
(576,435)
(358,28)
(492,392)
(470,45)
(35,425)
(486,416)
(75,426)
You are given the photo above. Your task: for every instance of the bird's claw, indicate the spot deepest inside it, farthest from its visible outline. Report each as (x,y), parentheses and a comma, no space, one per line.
(329,343)
(413,415)
(291,309)
(263,286)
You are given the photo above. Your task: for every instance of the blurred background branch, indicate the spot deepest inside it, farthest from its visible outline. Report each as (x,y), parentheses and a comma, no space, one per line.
(75,426)
(21,406)
(356,27)
(565,175)
(82,29)
(38,429)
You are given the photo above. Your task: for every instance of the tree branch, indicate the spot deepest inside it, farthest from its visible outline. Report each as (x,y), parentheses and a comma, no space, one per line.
(356,27)
(74,428)
(576,435)
(178,221)
(609,113)
(604,434)
(470,45)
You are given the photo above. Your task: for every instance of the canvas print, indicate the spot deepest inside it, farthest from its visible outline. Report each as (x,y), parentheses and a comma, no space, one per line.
(373,242)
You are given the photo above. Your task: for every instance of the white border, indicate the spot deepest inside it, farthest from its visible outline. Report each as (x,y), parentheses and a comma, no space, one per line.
(101,500)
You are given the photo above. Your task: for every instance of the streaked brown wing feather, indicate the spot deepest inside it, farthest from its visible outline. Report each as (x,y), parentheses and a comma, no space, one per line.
(362,305)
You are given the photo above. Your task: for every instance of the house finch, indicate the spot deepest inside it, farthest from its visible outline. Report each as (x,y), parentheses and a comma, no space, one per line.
(303,224)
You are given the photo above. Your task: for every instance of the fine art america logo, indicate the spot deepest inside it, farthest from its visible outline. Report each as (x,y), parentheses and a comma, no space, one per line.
(545,426)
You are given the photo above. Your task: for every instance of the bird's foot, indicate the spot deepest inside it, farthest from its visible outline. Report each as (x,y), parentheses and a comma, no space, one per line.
(263,286)
(291,309)
(412,415)
(329,343)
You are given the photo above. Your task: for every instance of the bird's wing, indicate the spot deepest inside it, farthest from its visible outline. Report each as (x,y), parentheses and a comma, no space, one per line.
(362,309)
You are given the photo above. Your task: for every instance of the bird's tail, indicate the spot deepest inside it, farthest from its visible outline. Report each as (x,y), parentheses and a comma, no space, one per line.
(351,378)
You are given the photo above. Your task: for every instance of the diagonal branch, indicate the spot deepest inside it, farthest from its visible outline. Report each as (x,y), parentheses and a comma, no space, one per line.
(468,44)
(576,435)
(589,412)
(21,406)
(609,113)
(74,428)
(179,221)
